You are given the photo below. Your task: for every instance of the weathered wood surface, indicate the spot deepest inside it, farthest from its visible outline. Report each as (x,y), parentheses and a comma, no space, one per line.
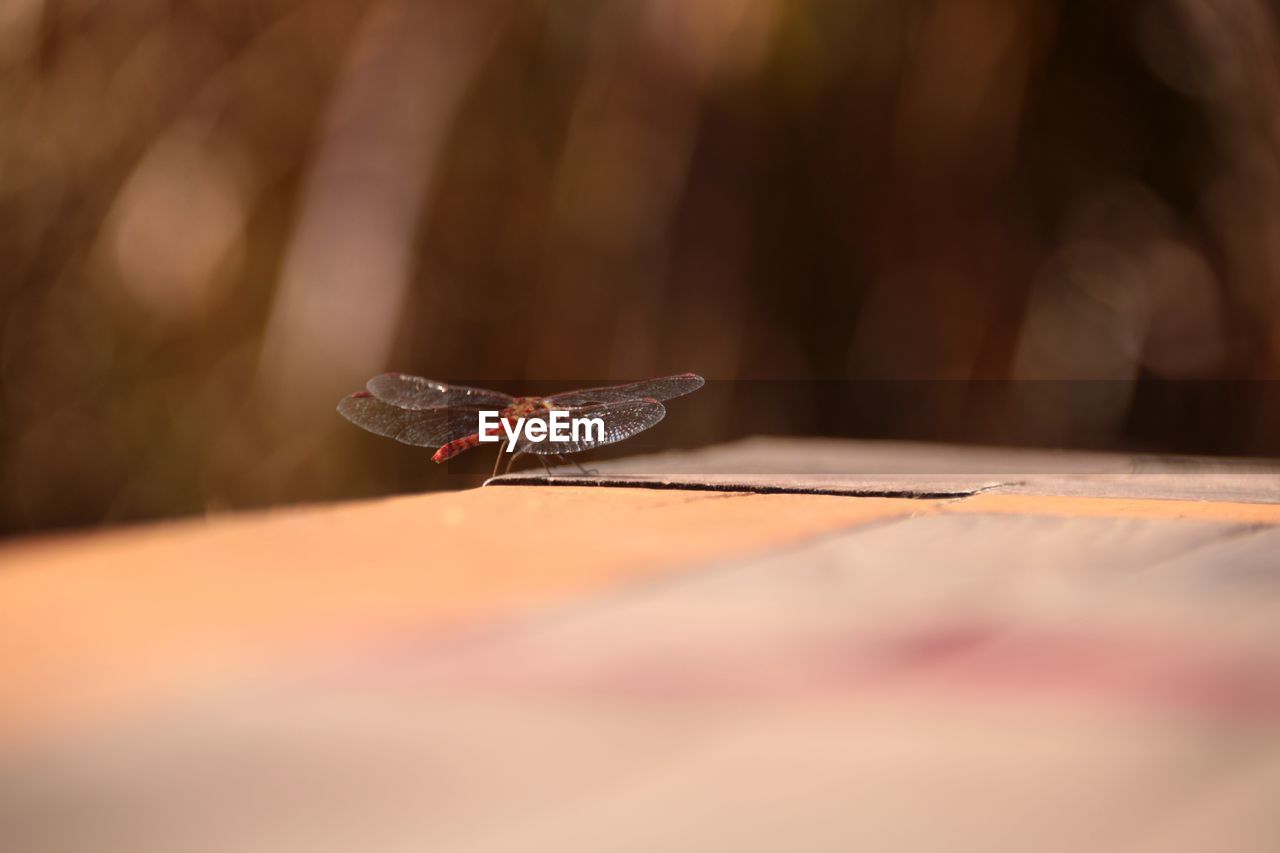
(585,668)
(820,465)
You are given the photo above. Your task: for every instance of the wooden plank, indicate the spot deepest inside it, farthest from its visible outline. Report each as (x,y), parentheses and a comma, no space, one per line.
(95,620)
(586,668)
(983,682)
(888,468)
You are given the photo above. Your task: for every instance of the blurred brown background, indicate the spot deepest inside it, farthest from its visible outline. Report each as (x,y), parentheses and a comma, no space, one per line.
(219,216)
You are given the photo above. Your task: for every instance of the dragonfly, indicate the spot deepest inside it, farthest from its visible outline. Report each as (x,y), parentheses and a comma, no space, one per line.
(426,413)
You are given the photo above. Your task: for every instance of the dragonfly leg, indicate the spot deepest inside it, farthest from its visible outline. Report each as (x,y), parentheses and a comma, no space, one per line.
(496,463)
(511,462)
(545,466)
(564,460)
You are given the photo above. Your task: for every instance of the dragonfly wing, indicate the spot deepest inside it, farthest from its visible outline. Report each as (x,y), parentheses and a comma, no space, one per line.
(621,421)
(416,393)
(666,388)
(422,428)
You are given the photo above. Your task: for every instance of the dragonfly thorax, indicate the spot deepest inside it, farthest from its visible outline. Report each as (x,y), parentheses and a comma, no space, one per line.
(523,406)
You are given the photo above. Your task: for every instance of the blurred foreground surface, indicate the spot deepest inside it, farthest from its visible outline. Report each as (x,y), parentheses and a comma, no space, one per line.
(606,668)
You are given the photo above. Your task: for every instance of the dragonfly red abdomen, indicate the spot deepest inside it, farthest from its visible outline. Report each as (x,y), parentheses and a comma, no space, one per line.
(453,448)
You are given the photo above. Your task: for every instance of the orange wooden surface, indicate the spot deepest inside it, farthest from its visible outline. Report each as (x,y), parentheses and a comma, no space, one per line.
(98,623)
(93,621)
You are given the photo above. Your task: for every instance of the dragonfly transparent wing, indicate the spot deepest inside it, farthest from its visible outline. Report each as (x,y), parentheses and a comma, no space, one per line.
(621,421)
(422,428)
(418,394)
(666,388)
